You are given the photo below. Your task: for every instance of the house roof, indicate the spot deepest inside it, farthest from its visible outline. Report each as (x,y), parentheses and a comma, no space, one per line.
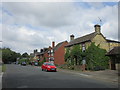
(58,45)
(31,54)
(82,39)
(44,50)
(37,53)
(114,51)
(108,40)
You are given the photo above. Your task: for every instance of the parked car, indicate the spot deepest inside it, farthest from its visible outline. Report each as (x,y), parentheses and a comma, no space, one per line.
(36,63)
(23,63)
(48,66)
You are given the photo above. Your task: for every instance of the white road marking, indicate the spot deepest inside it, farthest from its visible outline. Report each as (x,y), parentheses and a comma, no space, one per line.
(84,75)
(22,87)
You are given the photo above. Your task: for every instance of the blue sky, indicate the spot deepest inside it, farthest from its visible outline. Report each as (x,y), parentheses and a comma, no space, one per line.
(29,26)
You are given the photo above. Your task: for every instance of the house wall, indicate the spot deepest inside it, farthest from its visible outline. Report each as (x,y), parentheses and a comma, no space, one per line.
(59,54)
(46,56)
(112,45)
(100,40)
(87,44)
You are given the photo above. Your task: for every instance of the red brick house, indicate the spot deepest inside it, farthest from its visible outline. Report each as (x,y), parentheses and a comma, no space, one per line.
(55,53)
(59,52)
(47,53)
(52,54)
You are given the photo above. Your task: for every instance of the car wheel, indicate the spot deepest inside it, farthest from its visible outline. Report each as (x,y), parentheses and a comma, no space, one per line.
(42,69)
(46,70)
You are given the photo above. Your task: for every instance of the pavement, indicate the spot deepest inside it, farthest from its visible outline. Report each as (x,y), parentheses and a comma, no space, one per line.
(1,74)
(110,76)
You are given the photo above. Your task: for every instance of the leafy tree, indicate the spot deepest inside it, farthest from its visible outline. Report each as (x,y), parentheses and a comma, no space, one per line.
(24,60)
(95,56)
(67,54)
(25,55)
(8,55)
(76,55)
(0,53)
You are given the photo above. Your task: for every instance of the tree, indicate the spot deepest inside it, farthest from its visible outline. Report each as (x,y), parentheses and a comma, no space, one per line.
(95,56)
(67,54)
(25,55)
(8,55)
(76,54)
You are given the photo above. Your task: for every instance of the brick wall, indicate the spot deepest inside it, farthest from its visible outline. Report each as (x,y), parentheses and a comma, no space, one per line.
(59,54)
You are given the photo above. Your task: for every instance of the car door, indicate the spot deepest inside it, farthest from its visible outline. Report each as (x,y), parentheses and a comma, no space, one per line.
(46,65)
(43,66)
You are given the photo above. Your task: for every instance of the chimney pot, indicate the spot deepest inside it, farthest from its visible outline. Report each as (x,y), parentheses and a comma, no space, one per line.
(53,44)
(71,37)
(97,29)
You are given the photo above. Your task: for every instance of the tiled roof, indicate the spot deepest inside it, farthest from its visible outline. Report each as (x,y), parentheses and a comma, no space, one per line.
(58,45)
(114,51)
(85,38)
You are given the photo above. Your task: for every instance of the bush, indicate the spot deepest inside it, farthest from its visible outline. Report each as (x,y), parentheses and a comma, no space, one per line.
(97,68)
(72,67)
(23,60)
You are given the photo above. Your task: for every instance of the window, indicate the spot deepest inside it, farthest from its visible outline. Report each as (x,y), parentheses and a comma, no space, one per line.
(51,54)
(83,47)
(51,64)
(51,51)
(44,63)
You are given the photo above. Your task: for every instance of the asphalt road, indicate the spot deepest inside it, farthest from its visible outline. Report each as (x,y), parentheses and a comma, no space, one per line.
(17,76)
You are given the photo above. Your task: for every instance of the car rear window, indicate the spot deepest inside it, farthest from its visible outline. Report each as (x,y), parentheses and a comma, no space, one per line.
(51,64)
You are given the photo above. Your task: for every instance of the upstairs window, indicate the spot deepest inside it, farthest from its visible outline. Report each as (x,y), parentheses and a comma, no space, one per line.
(83,47)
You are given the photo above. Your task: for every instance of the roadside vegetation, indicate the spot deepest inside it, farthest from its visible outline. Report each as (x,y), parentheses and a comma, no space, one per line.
(9,56)
(3,68)
(40,63)
(94,56)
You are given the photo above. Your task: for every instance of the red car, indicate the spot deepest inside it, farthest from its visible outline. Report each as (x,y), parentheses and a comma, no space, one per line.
(48,66)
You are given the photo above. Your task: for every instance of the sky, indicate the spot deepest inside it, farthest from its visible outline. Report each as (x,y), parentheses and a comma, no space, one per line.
(26,26)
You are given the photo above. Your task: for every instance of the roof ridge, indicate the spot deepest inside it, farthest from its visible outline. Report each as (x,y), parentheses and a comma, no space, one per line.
(58,45)
(81,39)
(86,35)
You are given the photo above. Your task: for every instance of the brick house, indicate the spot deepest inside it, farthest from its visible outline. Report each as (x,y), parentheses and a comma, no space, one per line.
(54,54)
(59,52)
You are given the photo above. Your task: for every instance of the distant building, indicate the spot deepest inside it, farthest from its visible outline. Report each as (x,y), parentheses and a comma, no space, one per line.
(53,54)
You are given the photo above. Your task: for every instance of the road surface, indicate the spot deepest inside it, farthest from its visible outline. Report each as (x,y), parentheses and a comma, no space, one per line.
(17,76)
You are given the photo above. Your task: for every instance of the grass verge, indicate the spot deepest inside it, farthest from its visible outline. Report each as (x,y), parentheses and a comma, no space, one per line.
(3,68)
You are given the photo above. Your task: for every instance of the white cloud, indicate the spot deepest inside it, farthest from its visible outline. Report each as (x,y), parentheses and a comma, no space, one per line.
(54,21)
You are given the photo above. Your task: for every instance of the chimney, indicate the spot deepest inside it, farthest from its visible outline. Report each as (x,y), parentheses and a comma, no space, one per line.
(71,37)
(41,50)
(34,51)
(97,29)
(53,44)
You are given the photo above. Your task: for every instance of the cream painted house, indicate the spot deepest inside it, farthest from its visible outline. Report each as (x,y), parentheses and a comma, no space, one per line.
(97,37)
